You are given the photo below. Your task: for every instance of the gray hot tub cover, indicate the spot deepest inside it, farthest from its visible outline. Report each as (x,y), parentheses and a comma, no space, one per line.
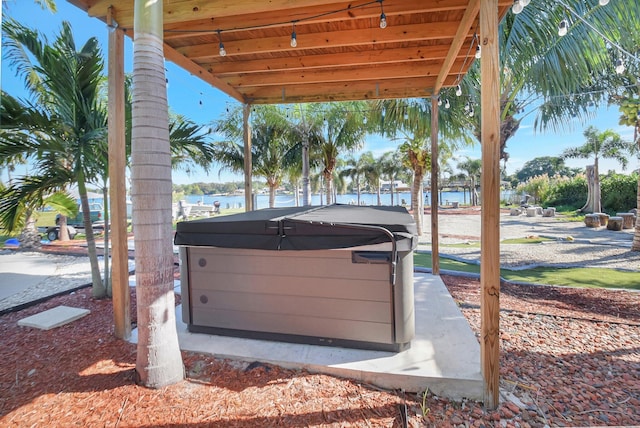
(303,228)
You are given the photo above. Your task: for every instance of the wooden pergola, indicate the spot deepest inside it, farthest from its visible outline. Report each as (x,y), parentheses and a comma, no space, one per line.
(355,50)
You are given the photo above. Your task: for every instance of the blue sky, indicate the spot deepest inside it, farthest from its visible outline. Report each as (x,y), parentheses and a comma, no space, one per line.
(202,103)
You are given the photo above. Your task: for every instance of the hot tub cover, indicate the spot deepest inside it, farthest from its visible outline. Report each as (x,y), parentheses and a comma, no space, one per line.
(303,228)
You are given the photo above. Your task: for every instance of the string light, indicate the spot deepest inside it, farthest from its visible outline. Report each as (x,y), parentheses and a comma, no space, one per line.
(467,106)
(517,7)
(471,112)
(603,2)
(458,90)
(439,101)
(619,66)
(525,3)
(222,51)
(563,28)
(294,40)
(478,52)
(383,17)
(446,104)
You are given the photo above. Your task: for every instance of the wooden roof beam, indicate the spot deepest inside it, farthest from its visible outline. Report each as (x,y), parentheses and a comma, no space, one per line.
(373,36)
(309,16)
(220,67)
(469,18)
(380,72)
(367,90)
(193,68)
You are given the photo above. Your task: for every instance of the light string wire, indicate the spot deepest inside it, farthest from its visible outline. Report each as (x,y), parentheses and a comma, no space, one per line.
(585,22)
(281,23)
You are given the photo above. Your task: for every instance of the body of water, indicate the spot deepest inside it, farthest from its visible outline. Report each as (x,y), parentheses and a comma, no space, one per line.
(237,201)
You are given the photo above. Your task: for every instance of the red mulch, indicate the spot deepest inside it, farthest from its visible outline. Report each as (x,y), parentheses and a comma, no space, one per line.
(570,356)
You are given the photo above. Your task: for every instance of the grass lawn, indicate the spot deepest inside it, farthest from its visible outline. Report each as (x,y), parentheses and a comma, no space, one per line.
(570,277)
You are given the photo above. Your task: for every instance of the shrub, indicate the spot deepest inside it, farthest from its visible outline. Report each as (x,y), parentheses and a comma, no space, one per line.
(619,192)
(568,193)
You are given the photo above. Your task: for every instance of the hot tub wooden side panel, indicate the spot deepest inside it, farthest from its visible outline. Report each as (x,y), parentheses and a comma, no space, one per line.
(313,293)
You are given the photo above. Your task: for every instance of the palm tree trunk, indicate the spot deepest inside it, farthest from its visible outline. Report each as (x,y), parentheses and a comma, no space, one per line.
(97,290)
(272,195)
(328,182)
(159,361)
(416,195)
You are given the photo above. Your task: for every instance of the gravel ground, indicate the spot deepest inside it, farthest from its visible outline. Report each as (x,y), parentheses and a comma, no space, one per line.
(572,243)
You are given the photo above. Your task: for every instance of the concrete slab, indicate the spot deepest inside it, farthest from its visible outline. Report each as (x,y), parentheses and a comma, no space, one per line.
(444,356)
(54,317)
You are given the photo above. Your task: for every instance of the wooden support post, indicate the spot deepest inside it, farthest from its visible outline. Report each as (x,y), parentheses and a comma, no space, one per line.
(490,217)
(246,126)
(117,184)
(435,251)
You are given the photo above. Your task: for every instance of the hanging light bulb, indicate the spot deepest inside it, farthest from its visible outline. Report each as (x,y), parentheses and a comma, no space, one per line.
(563,27)
(471,112)
(517,7)
(439,101)
(619,66)
(406,116)
(603,2)
(383,20)
(383,17)
(467,106)
(478,52)
(525,3)
(446,104)
(222,51)
(458,91)
(294,39)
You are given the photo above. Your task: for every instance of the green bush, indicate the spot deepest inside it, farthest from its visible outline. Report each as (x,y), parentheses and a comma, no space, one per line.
(619,192)
(568,193)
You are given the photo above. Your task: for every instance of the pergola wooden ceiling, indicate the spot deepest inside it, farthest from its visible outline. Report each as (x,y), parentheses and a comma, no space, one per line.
(341,54)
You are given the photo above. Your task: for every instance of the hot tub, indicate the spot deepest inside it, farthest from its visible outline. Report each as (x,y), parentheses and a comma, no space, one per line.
(337,275)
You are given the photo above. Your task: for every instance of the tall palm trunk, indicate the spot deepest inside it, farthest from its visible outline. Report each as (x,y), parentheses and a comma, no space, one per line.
(97,289)
(328,180)
(416,197)
(272,195)
(159,361)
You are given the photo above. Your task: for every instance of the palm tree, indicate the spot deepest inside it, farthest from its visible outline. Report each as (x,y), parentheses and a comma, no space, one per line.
(473,169)
(273,152)
(159,361)
(606,144)
(356,169)
(563,74)
(410,119)
(66,127)
(391,167)
(343,129)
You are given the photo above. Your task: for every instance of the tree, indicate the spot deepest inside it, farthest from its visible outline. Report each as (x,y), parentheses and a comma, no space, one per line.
(562,75)
(606,144)
(391,168)
(549,165)
(342,129)
(272,151)
(473,169)
(159,361)
(410,120)
(356,170)
(64,129)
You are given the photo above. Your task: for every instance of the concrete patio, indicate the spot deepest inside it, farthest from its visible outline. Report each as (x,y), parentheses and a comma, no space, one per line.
(444,357)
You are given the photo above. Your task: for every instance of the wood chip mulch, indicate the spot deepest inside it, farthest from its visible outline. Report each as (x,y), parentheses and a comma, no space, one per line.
(569,357)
